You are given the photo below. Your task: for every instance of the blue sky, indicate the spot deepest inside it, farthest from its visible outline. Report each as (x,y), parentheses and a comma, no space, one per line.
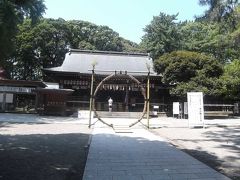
(127,17)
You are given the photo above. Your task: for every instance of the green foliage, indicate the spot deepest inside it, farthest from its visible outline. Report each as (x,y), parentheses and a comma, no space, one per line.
(231,80)
(45,44)
(233,49)
(13,13)
(221,11)
(212,34)
(189,71)
(129,46)
(161,35)
(206,37)
(41,46)
(85,35)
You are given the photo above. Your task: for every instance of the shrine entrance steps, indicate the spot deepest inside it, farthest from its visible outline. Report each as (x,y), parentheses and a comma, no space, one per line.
(106,114)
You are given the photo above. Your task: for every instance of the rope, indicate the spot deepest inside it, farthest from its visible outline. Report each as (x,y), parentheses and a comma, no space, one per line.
(143,91)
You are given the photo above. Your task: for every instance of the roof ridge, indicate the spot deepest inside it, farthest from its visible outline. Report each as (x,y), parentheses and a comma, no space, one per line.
(109,52)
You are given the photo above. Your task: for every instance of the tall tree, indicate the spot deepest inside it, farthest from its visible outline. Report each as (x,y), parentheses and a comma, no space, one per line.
(161,35)
(12,13)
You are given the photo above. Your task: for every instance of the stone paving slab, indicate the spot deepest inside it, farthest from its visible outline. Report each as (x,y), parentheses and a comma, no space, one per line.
(140,155)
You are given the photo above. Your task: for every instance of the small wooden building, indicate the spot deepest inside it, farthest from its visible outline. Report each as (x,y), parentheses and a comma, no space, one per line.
(18,95)
(76,71)
(52,101)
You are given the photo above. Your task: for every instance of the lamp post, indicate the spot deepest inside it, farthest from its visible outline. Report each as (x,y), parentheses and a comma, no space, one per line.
(94,63)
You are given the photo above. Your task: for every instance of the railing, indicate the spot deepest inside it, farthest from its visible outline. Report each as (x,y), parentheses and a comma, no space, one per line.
(218,109)
(117,106)
(209,109)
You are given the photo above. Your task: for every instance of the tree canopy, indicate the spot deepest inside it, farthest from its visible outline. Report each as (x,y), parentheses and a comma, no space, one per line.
(13,13)
(161,35)
(221,11)
(45,44)
(231,80)
(191,55)
(189,71)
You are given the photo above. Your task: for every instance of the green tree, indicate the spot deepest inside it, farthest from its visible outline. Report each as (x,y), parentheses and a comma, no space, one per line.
(234,44)
(80,33)
(85,35)
(162,35)
(206,37)
(45,44)
(129,46)
(189,71)
(13,13)
(41,46)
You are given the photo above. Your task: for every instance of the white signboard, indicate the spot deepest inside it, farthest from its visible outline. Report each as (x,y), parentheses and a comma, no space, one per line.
(9,98)
(175,108)
(1,97)
(195,109)
(15,89)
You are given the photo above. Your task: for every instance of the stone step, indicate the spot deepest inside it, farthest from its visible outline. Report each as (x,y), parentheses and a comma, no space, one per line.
(122,129)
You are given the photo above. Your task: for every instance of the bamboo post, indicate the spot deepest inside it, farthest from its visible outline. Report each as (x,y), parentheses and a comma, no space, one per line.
(91,95)
(148,95)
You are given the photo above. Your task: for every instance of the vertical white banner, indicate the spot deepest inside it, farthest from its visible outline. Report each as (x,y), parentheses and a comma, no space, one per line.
(185,108)
(195,109)
(175,108)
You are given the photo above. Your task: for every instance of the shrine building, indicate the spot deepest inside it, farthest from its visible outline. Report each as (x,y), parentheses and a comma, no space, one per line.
(79,65)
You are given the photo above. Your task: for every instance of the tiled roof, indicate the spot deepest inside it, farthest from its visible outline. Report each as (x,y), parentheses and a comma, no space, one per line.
(80,61)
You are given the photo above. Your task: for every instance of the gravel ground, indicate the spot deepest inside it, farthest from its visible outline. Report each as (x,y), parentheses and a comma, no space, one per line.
(217,145)
(33,150)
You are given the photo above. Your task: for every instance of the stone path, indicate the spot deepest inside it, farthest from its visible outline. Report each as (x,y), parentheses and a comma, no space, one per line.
(140,155)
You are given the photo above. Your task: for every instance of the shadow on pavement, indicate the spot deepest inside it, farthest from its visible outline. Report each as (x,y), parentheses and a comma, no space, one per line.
(38,157)
(228,140)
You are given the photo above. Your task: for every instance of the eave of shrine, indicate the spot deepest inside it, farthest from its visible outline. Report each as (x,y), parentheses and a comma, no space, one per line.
(21,83)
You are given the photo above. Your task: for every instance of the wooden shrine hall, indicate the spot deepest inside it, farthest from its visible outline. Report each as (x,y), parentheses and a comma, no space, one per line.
(79,65)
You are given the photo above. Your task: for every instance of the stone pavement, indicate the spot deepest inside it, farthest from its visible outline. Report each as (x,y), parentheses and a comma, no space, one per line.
(140,155)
